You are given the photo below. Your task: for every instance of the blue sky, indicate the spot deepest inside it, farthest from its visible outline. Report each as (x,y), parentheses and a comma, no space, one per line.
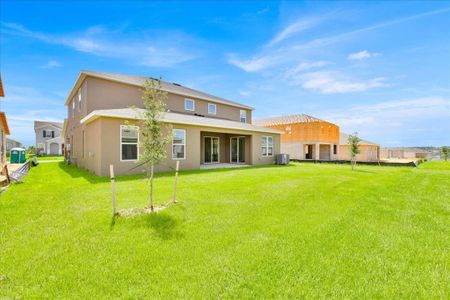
(379,68)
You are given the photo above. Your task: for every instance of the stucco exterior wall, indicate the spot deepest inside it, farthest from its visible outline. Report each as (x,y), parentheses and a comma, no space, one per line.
(40,135)
(102,147)
(104,94)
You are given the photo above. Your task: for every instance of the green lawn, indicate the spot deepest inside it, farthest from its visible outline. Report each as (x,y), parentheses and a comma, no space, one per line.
(60,157)
(296,231)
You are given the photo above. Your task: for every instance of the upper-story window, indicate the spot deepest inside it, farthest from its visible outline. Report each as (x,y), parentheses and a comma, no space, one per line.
(189,104)
(212,109)
(48,133)
(79,100)
(243,116)
(73,107)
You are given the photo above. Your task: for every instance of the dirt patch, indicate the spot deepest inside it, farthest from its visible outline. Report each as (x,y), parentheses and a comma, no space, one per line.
(131,212)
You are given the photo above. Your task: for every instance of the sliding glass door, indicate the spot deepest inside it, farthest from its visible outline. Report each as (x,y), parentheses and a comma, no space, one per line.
(211,149)
(237,151)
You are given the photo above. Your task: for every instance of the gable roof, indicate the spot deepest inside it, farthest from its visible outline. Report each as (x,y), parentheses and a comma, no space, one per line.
(292,119)
(4,123)
(40,124)
(176,118)
(138,81)
(343,140)
(13,141)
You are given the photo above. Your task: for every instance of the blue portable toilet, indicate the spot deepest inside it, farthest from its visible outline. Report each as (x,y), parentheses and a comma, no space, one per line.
(17,156)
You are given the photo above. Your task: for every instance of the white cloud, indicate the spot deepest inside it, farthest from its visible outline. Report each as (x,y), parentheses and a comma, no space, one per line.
(51,64)
(262,11)
(362,55)
(24,104)
(271,57)
(306,65)
(332,82)
(244,93)
(252,65)
(162,49)
(396,121)
(294,28)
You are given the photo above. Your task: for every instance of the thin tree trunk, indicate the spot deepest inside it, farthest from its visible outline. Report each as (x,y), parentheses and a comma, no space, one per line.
(151,188)
(353,166)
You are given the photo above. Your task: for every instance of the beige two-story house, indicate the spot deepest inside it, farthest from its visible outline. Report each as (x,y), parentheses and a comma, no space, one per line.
(103,117)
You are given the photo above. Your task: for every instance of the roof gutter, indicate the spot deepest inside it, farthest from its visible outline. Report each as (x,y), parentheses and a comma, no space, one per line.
(95,115)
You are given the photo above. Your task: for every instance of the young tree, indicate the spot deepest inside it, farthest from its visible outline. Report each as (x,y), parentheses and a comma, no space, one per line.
(444,152)
(31,150)
(353,141)
(153,140)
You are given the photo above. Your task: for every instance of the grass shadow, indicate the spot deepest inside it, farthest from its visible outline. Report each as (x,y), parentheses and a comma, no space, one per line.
(113,221)
(164,226)
(363,171)
(76,172)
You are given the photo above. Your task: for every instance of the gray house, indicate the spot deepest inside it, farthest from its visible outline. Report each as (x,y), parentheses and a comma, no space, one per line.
(10,143)
(48,137)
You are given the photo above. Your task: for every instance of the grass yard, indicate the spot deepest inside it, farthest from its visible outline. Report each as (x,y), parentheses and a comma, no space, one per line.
(295,231)
(50,157)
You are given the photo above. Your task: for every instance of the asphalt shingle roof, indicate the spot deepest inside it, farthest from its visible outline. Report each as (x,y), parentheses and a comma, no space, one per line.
(292,119)
(176,118)
(165,86)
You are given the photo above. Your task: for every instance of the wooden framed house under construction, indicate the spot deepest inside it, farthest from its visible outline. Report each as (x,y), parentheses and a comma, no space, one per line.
(305,137)
(309,138)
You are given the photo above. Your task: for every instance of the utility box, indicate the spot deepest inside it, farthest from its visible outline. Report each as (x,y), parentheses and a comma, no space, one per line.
(17,156)
(282,159)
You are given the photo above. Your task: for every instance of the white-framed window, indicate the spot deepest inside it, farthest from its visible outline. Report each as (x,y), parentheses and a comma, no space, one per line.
(48,133)
(212,109)
(79,100)
(41,146)
(73,108)
(189,104)
(267,146)
(243,116)
(178,144)
(129,143)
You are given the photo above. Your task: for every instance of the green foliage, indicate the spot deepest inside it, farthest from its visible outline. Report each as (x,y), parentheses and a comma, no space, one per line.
(353,141)
(444,152)
(31,150)
(301,231)
(153,140)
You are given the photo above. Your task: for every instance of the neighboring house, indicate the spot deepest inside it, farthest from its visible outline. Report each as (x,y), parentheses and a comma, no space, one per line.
(4,131)
(101,128)
(404,153)
(309,138)
(305,137)
(10,143)
(369,152)
(48,137)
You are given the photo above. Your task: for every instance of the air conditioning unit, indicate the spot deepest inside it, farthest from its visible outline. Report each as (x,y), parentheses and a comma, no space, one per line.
(282,159)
